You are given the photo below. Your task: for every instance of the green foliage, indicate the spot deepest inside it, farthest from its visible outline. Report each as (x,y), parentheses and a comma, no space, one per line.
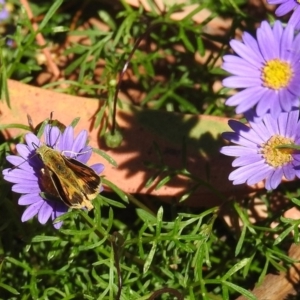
(124,248)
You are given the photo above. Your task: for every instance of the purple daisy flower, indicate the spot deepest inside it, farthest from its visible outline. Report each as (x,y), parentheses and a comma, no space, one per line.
(4,14)
(30,178)
(257,152)
(286,6)
(267,69)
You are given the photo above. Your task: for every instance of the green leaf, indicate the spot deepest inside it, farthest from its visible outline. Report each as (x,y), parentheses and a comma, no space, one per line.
(106,157)
(145,216)
(164,181)
(240,290)
(77,232)
(283,235)
(4,93)
(44,238)
(112,202)
(15,125)
(159,217)
(52,10)
(150,257)
(241,241)
(75,122)
(263,272)
(9,288)
(235,268)
(296,201)
(185,39)
(18,263)
(118,191)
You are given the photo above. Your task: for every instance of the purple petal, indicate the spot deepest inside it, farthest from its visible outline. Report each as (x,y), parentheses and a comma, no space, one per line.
(67,139)
(57,225)
(260,130)
(294,87)
(246,96)
(267,44)
(242,174)
(19,162)
(251,42)
(80,141)
(283,98)
(294,19)
(85,154)
(275,108)
(28,199)
(23,150)
(32,141)
(244,106)
(31,211)
(58,210)
(236,151)
(241,82)
(260,175)
(289,172)
(238,139)
(26,188)
(247,54)
(19,174)
(240,67)
(98,168)
(52,135)
(245,132)
(286,42)
(4,14)
(263,105)
(274,180)
(44,212)
(284,8)
(246,160)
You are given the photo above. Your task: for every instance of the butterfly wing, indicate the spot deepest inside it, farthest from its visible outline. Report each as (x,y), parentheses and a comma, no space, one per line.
(69,194)
(90,181)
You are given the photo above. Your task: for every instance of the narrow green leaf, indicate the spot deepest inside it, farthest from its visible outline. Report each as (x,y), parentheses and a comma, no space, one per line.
(112,202)
(185,39)
(241,241)
(52,10)
(296,201)
(150,257)
(9,288)
(44,238)
(240,290)
(118,191)
(263,272)
(75,122)
(18,263)
(145,216)
(283,235)
(106,157)
(164,181)
(235,268)
(160,214)
(14,125)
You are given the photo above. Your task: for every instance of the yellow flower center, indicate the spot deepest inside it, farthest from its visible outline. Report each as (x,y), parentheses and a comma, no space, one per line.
(277,157)
(276,74)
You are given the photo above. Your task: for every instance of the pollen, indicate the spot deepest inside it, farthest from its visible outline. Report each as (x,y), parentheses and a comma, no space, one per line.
(277,74)
(277,157)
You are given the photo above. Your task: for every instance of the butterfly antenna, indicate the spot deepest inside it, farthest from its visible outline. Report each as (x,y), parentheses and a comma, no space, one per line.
(35,146)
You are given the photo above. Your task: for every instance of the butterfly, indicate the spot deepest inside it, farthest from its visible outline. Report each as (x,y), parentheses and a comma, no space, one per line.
(65,178)
(75,183)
